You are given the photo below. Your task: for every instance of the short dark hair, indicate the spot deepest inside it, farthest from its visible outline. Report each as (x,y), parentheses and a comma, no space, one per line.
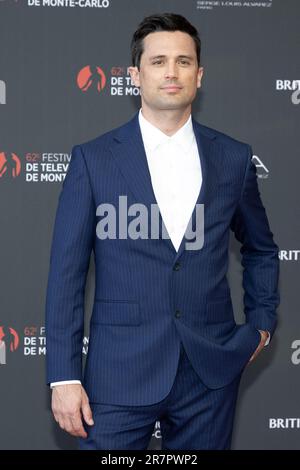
(161,22)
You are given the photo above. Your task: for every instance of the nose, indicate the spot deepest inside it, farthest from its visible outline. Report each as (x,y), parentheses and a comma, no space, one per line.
(171,71)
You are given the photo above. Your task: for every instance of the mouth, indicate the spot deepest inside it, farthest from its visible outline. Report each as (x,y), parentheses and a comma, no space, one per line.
(171,88)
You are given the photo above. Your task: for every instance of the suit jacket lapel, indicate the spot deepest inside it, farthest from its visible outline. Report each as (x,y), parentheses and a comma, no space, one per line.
(207,150)
(129,154)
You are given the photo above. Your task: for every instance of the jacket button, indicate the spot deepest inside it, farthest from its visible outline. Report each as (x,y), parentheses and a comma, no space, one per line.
(177,313)
(176,267)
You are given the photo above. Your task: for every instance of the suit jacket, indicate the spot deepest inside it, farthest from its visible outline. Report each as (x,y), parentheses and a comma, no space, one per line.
(148,297)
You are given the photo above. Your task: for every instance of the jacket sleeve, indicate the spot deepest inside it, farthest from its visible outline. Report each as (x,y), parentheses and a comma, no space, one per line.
(259,254)
(72,243)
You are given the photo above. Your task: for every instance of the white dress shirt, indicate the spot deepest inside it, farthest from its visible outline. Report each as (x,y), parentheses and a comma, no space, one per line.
(176,177)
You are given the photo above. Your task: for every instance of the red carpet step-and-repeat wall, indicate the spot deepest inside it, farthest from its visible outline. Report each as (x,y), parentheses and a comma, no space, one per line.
(64,81)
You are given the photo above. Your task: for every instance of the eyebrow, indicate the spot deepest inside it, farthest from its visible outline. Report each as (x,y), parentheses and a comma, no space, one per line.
(181,56)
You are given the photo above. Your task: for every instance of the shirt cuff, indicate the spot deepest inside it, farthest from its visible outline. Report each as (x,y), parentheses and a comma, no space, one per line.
(64,382)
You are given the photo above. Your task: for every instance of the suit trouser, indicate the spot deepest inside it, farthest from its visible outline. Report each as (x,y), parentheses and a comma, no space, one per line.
(192,417)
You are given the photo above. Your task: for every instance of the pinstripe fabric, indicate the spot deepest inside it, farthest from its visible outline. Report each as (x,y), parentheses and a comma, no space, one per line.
(191,416)
(135,332)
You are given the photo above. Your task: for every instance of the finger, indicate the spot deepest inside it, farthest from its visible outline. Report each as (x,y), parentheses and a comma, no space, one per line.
(87,413)
(256,352)
(62,424)
(77,426)
(252,357)
(67,425)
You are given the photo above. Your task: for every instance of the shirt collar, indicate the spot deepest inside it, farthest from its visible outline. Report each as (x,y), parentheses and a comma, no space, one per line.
(153,137)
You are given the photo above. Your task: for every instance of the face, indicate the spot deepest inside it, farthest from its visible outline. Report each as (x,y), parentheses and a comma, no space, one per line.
(169,74)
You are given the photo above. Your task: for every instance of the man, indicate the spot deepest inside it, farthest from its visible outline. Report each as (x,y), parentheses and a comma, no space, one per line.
(163,343)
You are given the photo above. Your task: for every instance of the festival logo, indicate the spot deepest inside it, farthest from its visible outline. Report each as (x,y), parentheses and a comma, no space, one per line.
(9,342)
(91,78)
(10,165)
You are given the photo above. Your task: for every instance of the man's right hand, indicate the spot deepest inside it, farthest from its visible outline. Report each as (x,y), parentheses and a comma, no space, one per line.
(70,404)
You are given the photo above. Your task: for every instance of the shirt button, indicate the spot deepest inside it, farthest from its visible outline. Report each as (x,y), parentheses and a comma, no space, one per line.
(177,313)
(176,267)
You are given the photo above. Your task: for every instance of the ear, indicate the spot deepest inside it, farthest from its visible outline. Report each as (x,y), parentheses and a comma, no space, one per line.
(135,75)
(199,76)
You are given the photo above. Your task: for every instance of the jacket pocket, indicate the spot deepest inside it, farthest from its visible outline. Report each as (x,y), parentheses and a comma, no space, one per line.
(116,312)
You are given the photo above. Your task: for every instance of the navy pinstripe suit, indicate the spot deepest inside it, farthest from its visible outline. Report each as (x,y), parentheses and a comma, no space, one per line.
(150,299)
